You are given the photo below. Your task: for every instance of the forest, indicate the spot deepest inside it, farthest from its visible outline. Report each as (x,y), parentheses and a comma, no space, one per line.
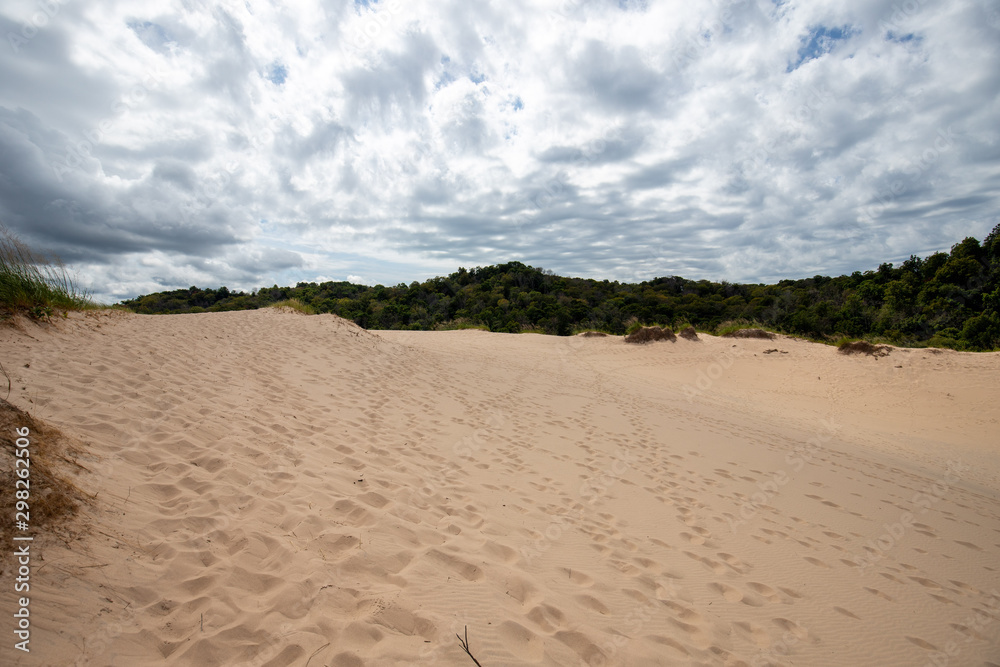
(947,300)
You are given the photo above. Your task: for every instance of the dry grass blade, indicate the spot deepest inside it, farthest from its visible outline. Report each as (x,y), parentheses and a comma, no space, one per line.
(465,645)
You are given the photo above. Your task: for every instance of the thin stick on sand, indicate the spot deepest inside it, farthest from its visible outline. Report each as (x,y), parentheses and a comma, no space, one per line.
(465,645)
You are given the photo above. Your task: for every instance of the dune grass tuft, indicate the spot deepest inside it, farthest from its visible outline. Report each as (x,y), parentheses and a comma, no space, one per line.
(52,498)
(742,329)
(863,347)
(689,333)
(35,284)
(650,334)
(294,304)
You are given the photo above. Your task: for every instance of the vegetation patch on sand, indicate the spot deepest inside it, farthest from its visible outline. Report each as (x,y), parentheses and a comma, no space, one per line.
(51,497)
(34,284)
(296,305)
(749,333)
(592,334)
(650,334)
(689,333)
(863,347)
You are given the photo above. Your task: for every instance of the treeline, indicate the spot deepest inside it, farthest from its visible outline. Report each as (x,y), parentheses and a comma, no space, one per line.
(944,300)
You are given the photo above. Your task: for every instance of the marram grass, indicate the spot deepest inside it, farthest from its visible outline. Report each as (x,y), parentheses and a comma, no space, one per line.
(35,284)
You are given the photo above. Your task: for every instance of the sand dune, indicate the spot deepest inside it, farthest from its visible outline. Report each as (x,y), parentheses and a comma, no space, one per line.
(276,489)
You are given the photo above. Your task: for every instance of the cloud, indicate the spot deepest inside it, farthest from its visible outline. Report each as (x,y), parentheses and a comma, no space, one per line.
(159,146)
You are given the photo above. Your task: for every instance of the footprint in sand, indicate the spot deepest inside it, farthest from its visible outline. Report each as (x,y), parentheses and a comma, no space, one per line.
(845,612)
(969,545)
(732,594)
(521,641)
(713,566)
(522,590)
(582,646)
(765,591)
(968,632)
(694,633)
(756,634)
(875,591)
(672,643)
(733,562)
(593,604)
(926,645)
(791,626)
(547,617)
(927,583)
(964,587)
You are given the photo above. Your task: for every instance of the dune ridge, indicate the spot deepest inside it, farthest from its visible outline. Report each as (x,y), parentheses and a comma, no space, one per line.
(277,489)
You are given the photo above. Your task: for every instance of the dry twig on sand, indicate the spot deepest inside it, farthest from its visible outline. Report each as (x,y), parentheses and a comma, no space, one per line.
(465,645)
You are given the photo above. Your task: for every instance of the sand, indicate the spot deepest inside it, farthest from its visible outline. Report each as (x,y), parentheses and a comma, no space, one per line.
(275,489)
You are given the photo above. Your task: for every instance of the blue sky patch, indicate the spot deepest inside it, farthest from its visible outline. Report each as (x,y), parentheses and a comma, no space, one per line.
(820,41)
(151,34)
(902,39)
(276,73)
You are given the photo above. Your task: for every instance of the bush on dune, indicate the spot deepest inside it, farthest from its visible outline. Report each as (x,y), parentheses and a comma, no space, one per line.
(689,333)
(742,329)
(650,334)
(863,347)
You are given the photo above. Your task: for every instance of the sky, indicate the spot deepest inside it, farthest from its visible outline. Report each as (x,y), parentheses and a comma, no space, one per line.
(159,145)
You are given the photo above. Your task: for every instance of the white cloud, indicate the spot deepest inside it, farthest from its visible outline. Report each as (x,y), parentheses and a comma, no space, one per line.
(157,146)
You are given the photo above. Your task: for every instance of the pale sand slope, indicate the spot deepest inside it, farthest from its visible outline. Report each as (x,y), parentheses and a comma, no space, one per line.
(276,489)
